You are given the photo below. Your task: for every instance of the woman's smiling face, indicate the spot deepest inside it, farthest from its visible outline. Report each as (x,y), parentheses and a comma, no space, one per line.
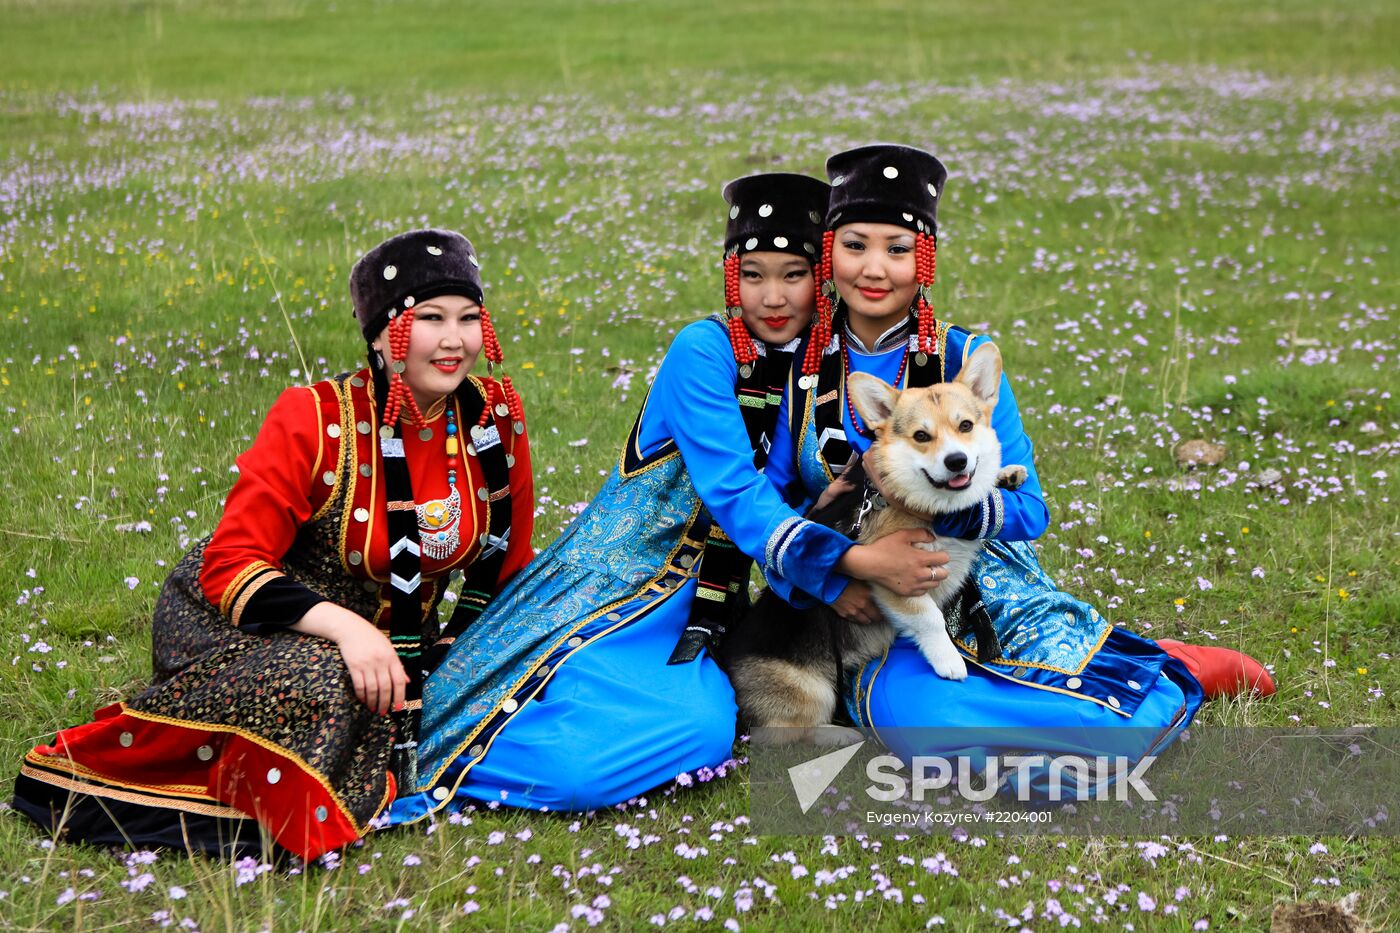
(777,295)
(875,273)
(443,346)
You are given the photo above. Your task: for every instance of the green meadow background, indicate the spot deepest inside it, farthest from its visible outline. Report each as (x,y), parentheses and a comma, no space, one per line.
(1177,219)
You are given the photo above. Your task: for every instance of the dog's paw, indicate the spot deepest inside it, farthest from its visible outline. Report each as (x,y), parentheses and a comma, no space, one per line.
(1011,477)
(949,666)
(833,736)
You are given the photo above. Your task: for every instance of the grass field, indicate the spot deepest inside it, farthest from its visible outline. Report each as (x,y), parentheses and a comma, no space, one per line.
(1179,223)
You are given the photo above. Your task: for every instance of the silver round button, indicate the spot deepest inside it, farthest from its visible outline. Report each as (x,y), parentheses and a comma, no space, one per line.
(365,470)
(502,409)
(204,753)
(328,478)
(476,751)
(333,430)
(575,642)
(440,793)
(362,515)
(1134,685)
(273,775)
(356,558)
(510,706)
(1113,702)
(1074,683)
(321,814)
(126,738)
(362,427)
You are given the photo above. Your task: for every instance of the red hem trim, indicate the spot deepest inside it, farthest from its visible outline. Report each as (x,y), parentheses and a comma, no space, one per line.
(162,758)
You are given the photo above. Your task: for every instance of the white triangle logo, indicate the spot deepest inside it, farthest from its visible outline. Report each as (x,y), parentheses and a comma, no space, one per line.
(810,779)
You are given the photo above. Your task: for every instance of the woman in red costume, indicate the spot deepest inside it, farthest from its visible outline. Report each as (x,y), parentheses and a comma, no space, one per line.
(290,648)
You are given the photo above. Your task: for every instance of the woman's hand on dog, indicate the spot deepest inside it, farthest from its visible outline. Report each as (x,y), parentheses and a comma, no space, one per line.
(857,604)
(895,563)
(837,487)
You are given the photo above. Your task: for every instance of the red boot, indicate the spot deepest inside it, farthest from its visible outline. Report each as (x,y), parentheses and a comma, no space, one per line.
(1223,672)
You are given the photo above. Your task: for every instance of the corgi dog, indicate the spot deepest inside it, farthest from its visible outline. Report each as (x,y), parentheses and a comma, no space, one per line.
(935,453)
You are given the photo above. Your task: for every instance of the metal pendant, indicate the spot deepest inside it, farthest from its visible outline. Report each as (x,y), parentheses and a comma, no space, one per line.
(439,526)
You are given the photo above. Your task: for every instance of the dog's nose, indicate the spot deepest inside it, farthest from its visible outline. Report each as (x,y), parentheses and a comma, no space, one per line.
(955,462)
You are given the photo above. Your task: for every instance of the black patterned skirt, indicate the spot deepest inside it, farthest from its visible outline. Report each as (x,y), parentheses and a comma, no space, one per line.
(241,740)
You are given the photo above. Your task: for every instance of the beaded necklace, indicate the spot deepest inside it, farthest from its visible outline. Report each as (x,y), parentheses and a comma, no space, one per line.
(846,378)
(439,520)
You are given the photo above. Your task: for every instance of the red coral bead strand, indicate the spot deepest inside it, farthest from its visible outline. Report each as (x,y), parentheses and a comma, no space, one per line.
(740,340)
(821,328)
(925,257)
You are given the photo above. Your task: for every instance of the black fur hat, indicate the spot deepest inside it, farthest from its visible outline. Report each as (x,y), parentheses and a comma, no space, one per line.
(410,268)
(777,211)
(885,184)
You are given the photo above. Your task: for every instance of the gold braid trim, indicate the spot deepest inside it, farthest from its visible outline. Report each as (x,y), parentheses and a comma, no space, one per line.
(321,440)
(248,592)
(320,445)
(150,799)
(244,575)
(655,580)
(649,607)
(345,467)
(60,763)
(261,742)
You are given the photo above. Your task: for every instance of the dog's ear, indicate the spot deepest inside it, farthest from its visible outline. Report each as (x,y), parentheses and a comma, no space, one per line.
(982,374)
(873,398)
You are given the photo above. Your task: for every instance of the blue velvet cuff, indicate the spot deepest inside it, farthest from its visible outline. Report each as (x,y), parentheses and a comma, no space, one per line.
(803,555)
(983,520)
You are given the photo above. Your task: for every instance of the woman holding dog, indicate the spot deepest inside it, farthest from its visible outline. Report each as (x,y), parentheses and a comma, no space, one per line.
(590,679)
(290,648)
(1061,663)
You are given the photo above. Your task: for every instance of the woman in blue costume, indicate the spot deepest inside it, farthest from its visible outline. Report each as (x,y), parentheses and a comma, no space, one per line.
(588,680)
(1065,674)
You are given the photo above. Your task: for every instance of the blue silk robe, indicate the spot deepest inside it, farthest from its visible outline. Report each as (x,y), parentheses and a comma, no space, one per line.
(560,696)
